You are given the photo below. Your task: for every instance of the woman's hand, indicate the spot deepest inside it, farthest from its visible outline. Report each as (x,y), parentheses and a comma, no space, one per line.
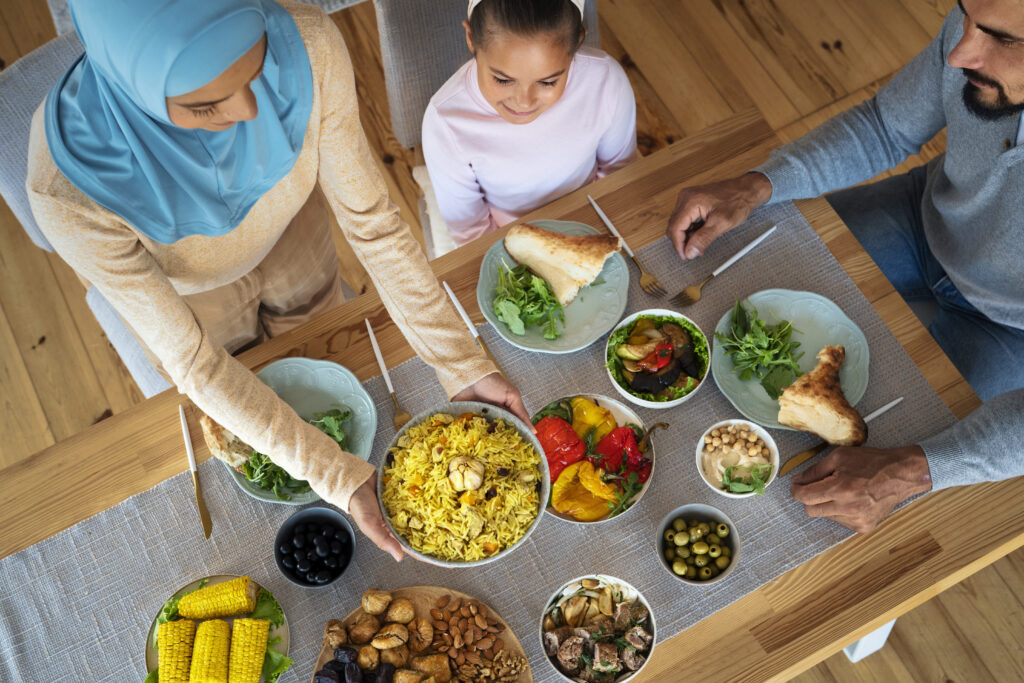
(366,513)
(705,212)
(498,391)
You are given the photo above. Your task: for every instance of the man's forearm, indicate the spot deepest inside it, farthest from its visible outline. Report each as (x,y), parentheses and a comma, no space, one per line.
(984,446)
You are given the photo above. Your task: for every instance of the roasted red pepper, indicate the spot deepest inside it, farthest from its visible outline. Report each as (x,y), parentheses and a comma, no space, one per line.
(620,444)
(657,359)
(562,445)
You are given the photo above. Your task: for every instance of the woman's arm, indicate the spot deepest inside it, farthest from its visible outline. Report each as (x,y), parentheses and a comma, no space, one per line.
(108,254)
(617,147)
(384,244)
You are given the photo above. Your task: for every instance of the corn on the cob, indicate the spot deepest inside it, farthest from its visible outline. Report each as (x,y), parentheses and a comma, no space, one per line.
(210,654)
(237,596)
(174,641)
(248,647)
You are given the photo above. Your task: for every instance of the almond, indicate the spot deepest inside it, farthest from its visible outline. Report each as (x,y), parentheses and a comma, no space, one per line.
(485,643)
(480,621)
(454,605)
(499,645)
(458,641)
(470,636)
(463,624)
(442,601)
(453,653)
(440,626)
(461,658)
(436,614)
(465,611)
(473,609)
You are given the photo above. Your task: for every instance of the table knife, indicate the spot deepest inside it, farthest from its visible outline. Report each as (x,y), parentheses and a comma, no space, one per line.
(804,456)
(472,327)
(204,514)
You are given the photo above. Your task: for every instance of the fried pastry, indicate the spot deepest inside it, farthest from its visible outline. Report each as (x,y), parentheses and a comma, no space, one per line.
(815,403)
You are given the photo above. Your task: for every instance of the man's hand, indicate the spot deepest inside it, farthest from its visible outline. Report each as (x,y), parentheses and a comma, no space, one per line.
(859,487)
(496,390)
(704,212)
(365,511)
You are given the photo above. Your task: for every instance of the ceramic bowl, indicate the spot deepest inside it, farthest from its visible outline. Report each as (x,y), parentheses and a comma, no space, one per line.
(316,515)
(769,442)
(703,513)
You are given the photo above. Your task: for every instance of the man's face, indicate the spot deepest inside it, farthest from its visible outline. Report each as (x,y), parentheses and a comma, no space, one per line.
(991,55)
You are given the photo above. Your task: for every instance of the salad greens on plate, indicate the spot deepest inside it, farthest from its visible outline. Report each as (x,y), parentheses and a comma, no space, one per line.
(261,471)
(522,299)
(762,351)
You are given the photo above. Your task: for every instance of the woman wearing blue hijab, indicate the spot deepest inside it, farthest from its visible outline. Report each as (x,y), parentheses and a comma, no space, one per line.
(180,166)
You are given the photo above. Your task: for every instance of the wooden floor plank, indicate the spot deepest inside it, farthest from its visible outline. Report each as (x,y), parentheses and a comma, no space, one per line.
(929,13)
(30,23)
(22,421)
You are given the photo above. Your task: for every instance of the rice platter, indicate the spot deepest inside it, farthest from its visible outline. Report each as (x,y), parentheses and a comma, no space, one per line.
(462,487)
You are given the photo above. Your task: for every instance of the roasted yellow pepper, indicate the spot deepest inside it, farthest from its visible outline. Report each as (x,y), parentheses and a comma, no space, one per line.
(571,497)
(586,415)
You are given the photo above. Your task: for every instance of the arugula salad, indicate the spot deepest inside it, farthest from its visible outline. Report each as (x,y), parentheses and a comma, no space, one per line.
(761,351)
(261,471)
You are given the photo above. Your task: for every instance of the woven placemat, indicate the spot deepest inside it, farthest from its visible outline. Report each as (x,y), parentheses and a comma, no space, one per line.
(82,601)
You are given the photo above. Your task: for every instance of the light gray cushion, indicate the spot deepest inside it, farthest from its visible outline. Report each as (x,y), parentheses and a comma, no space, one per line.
(23,85)
(422,43)
(127,346)
(62,17)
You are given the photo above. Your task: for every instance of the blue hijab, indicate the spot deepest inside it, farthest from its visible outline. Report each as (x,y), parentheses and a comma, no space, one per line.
(110,135)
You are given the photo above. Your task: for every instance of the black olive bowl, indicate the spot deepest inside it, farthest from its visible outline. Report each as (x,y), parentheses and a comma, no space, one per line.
(296,543)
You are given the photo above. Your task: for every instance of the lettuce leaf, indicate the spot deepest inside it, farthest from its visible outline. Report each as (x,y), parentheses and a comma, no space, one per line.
(267,607)
(274,662)
(153,677)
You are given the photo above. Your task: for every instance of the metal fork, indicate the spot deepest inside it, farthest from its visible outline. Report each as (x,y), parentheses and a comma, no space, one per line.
(691,294)
(648,282)
(401,416)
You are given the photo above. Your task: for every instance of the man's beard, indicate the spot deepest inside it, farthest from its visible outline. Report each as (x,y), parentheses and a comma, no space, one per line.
(1001,108)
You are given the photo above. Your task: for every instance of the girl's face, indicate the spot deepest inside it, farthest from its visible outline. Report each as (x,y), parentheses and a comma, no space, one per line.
(225,100)
(521,76)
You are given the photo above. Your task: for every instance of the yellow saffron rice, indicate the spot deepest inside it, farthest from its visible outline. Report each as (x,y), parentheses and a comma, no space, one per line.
(464,526)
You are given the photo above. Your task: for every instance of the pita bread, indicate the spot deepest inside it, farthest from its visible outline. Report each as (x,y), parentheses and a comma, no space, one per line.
(815,403)
(567,262)
(223,444)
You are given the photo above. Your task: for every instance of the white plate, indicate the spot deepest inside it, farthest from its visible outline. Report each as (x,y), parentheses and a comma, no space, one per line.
(153,655)
(817,323)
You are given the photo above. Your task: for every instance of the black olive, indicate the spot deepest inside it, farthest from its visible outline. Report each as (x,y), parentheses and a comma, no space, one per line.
(323,576)
(305,565)
(323,550)
(300,528)
(335,547)
(504,471)
(288,562)
(491,493)
(299,541)
(331,562)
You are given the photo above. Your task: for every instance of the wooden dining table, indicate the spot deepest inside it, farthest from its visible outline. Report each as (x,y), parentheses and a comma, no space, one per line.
(776,631)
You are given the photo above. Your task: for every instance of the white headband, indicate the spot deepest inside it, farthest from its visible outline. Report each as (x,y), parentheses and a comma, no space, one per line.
(578,3)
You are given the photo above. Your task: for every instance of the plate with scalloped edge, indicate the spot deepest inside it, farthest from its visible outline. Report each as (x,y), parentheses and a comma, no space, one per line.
(595,310)
(310,386)
(817,322)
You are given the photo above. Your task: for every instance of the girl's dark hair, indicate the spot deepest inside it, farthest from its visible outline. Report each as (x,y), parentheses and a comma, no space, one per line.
(526,18)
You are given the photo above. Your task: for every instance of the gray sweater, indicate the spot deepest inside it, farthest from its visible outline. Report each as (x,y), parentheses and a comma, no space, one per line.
(972,211)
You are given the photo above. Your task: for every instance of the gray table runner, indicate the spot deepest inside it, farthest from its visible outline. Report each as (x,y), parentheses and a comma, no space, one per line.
(82,601)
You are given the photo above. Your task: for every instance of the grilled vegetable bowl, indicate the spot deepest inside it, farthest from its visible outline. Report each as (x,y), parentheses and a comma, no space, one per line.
(657,358)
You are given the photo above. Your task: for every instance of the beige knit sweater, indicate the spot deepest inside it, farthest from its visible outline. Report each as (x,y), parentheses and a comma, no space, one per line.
(144,279)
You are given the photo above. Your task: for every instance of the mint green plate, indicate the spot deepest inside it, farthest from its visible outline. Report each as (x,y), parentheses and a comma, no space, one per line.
(313,386)
(594,311)
(817,323)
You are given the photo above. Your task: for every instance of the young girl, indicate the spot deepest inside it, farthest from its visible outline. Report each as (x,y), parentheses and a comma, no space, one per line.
(530,118)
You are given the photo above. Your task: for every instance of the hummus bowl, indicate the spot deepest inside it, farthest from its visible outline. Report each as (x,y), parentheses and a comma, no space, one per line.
(724,455)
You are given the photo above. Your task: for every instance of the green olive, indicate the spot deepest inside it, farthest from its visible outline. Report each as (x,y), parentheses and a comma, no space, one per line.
(690,560)
(670,535)
(705,528)
(695,533)
(691,573)
(726,550)
(704,574)
(715,571)
(683,552)
(670,554)
(714,550)
(679,567)
(682,537)
(722,530)
(679,524)
(722,562)
(699,560)
(700,547)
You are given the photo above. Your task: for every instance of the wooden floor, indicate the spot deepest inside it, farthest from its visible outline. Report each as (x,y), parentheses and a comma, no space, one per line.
(692,63)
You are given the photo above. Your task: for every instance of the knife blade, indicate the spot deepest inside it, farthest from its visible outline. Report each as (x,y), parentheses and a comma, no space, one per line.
(380,358)
(804,456)
(611,226)
(472,327)
(204,514)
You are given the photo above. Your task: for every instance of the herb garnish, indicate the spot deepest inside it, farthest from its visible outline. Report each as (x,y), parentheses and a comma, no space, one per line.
(522,299)
(758,478)
(762,351)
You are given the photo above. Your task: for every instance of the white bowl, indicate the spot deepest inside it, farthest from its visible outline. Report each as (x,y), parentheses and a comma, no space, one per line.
(628,590)
(710,513)
(773,457)
(623,415)
(657,405)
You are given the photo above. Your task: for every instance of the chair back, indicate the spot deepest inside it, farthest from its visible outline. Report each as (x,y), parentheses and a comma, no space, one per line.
(422,43)
(23,86)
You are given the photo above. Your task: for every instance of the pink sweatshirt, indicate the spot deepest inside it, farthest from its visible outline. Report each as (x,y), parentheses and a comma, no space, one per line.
(487,172)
